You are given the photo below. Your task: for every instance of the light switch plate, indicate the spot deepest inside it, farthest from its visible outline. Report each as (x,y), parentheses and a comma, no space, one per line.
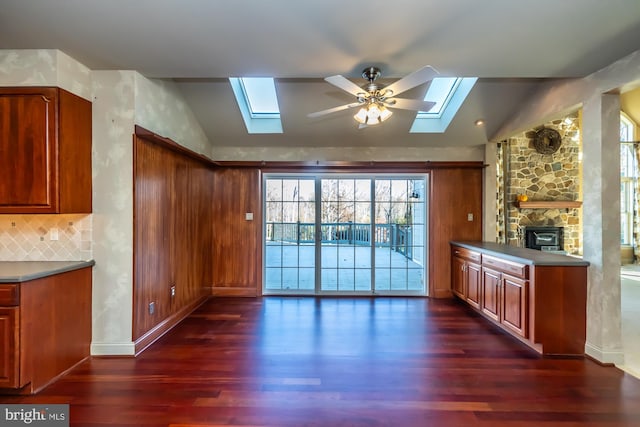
(469,216)
(248,216)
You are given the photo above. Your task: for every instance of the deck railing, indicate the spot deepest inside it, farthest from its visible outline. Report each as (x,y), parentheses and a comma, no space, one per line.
(395,236)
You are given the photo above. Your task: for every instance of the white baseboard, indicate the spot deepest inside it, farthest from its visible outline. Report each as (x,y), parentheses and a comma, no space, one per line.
(113,349)
(602,356)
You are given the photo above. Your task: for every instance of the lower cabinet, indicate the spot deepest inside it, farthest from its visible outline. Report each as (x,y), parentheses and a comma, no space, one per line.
(491,282)
(465,277)
(504,300)
(9,346)
(45,329)
(515,306)
(474,284)
(543,305)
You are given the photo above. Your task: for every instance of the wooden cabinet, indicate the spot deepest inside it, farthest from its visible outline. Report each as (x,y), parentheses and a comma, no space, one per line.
(514,304)
(458,276)
(465,277)
(45,151)
(45,329)
(541,300)
(504,295)
(474,284)
(490,299)
(9,347)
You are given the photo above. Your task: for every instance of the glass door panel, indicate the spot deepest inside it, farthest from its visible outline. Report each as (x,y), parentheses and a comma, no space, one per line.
(327,235)
(290,211)
(400,234)
(346,235)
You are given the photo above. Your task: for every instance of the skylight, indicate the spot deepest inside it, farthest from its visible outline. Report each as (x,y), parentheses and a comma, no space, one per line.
(448,93)
(258,102)
(440,91)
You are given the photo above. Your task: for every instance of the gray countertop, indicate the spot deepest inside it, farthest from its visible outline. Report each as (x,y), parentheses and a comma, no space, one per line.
(23,271)
(522,255)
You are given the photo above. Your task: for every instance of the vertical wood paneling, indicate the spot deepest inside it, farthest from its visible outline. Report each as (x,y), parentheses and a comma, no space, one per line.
(454,193)
(173,235)
(237,248)
(152,209)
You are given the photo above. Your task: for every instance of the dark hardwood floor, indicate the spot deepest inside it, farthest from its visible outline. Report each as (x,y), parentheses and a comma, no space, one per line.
(342,362)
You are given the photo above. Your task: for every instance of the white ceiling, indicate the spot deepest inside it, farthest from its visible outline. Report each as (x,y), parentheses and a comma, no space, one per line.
(510,45)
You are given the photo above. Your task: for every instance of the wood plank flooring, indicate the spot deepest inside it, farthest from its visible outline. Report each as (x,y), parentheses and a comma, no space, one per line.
(288,361)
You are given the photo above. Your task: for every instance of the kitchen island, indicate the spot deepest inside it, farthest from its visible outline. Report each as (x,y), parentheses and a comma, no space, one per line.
(537,297)
(45,321)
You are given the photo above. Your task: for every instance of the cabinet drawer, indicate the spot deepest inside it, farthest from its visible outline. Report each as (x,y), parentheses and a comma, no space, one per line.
(513,268)
(9,295)
(466,254)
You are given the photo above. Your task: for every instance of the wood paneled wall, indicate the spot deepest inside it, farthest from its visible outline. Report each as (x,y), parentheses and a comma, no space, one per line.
(173,231)
(454,194)
(455,191)
(191,230)
(237,243)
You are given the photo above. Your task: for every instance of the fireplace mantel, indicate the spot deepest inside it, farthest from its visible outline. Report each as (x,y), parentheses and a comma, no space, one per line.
(548,204)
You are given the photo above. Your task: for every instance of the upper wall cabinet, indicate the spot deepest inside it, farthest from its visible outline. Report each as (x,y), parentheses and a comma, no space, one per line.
(45,151)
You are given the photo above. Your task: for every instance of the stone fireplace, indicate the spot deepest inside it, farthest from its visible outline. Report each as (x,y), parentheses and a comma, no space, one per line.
(543,177)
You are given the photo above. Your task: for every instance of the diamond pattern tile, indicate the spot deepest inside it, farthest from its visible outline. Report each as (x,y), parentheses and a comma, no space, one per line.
(28,237)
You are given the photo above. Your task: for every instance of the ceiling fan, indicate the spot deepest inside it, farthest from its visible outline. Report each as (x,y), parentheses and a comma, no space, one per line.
(375,100)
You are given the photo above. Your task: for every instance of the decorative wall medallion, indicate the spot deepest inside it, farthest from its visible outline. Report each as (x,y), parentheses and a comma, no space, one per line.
(547,141)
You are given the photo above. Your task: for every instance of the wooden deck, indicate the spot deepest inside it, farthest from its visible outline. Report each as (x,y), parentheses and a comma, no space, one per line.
(304,361)
(344,268)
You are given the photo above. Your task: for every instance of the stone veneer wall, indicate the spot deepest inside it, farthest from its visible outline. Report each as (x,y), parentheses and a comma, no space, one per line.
(544,177)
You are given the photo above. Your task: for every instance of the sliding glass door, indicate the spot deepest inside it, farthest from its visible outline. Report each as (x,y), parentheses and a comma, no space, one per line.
(351,234)
(345,213)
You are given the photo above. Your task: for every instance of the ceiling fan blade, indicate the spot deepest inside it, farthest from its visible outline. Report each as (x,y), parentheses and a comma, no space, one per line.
(345,84)
(409,104)
(414,79)
(334,109)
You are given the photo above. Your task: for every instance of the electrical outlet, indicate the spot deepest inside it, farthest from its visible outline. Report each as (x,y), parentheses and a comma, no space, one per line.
(152,307)
(173,291)
(53,234)
(469,216)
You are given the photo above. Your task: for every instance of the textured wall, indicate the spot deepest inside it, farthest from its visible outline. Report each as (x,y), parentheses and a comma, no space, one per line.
(160,108)
(113,122)
(44,67)
(540,176)
(348,154)
(122,99)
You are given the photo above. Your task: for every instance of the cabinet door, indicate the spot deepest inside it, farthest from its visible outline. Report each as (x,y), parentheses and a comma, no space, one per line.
(514,304)
(9,347)
(491,293)
(458,276)
(27,150)
(474,283)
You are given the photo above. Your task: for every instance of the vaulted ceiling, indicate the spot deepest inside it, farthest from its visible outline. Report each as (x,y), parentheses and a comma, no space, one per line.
(511,46)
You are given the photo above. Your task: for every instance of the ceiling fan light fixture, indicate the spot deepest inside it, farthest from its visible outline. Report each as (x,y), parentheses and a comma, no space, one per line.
(361,116)
(372,114)
(385,114)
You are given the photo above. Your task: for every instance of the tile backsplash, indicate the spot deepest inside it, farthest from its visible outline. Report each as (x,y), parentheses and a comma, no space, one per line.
(65,237)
